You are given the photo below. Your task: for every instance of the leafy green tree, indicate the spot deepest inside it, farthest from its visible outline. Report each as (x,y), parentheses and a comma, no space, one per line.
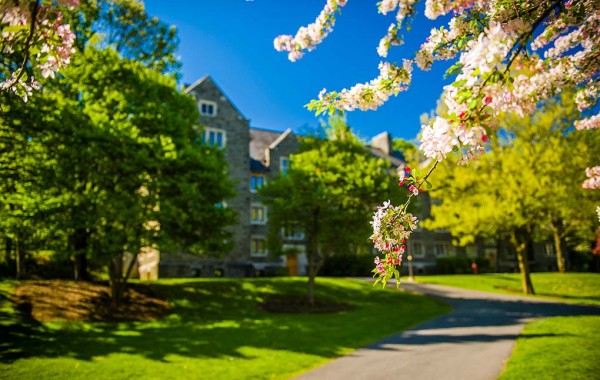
(27,202)
(520,186)
(125,27)
(192,190)
(330,191)
(139,177)
(407,148)
(119,145)
(560,155)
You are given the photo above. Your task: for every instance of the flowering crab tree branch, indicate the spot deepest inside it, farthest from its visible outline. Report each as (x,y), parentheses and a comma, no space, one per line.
(34,42)
(510,55)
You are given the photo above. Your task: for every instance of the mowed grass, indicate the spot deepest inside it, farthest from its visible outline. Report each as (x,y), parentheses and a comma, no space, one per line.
(581,288)
(216,331)
(557,348)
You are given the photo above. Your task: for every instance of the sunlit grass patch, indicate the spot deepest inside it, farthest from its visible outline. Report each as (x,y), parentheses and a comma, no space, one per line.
(569,287)
(558,347)
(216,330)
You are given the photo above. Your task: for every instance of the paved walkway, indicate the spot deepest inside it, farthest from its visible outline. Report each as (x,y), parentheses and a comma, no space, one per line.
(470,343)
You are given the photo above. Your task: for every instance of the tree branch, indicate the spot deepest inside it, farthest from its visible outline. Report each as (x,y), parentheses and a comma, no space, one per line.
(421,183)
(21,70)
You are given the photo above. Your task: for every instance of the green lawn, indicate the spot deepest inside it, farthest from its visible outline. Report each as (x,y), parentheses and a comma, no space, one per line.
(557,348)
(216,331)
(569,287)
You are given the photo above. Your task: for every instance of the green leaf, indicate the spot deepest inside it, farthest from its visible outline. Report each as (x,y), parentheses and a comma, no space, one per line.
(459,83)
(463,95)
(473,104)
(14,28)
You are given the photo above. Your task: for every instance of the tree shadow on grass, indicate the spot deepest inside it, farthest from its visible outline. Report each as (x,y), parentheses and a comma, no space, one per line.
(209,319)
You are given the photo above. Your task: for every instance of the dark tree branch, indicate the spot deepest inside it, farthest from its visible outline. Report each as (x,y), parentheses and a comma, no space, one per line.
(34,13)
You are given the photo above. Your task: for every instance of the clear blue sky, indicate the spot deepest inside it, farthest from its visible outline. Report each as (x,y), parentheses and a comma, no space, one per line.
(232,41)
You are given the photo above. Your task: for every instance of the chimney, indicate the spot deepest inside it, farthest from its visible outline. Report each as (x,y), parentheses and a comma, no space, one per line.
(383,142)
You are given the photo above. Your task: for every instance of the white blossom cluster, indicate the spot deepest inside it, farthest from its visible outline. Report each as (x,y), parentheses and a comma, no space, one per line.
(393,37)
(593,180)
(369,96)
(496,73)
(592,122)
(49,44)
(308,37)
(440,43)
(392,226)
(483,55)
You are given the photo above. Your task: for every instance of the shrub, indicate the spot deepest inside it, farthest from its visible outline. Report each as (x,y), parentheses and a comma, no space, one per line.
(460,265)
(347,266)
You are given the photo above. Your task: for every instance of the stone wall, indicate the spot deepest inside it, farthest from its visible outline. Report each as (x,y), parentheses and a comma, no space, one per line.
(229,119)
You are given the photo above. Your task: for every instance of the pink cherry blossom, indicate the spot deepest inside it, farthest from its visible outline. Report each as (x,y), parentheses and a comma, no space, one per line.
(53,39)
(495,73)
(593,180)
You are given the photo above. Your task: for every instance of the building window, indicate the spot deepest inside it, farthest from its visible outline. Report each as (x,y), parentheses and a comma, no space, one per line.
(443,249)
(258,214)
(284,165)
(292,231)
(258,246)
(214,137)
(490,242)
(207,108)
(256,182)
(418,250)
(549,249)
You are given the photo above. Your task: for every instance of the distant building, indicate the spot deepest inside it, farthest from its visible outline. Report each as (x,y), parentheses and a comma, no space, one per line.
(256,156)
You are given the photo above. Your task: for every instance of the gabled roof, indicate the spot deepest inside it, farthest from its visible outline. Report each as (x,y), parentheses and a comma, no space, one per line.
(207,80)
(381,146)
(281,137)
(395,159)
(260,140)
(198,83)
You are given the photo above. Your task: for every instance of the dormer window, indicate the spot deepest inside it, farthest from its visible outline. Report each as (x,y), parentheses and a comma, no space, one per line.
(207,108)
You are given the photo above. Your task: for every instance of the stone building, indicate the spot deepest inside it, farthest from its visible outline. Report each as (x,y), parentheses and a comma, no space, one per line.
(270,157)
(256,156)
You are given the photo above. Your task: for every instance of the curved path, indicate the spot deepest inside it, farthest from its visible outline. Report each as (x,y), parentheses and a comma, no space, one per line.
(471,342)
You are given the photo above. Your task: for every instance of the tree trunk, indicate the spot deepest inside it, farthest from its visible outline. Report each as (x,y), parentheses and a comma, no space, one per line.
(312,251)
(118,278)
(79,241)
(310,290)
(524,269)
(115,273)
(81,272)
(521,249)
(7,248)
(20,256)
(560,259)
